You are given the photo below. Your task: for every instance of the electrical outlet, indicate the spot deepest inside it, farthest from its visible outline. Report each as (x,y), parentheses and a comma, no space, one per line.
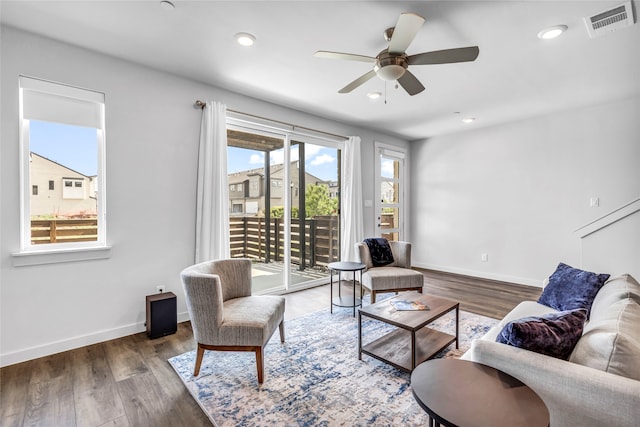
(484,257)
(160,289)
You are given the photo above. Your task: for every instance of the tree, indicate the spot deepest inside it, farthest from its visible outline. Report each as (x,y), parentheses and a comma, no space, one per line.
(318,202)
(278,212)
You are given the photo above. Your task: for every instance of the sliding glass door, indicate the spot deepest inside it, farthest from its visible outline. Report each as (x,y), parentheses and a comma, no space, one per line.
(284,199)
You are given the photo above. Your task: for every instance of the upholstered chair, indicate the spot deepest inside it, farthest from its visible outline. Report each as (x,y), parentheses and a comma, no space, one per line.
(224,315)
(395,277)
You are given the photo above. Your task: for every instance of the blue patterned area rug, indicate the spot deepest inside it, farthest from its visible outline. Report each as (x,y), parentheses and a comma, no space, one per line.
(315,377)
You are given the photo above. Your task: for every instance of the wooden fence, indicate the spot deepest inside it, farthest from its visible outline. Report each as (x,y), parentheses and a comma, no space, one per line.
(63,230)
(249,239)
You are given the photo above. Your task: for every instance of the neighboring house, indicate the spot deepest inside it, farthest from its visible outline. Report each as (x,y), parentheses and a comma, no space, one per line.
(60,192)
(247,189)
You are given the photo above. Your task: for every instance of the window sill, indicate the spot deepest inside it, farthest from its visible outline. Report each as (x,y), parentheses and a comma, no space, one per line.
(21,259)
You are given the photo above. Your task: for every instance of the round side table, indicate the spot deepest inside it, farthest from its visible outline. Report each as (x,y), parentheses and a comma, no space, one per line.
(462,393)
(341,301)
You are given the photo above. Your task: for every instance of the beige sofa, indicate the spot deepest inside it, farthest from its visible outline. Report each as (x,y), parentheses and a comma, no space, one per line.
(600,383)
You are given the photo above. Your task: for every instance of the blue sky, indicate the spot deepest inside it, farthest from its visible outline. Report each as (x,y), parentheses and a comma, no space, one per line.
(321,162)
(75,147)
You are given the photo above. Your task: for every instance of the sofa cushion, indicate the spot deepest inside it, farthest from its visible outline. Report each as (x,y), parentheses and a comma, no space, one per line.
(391,278)
(380,251)
(611,338)
(553,334)
(571,288)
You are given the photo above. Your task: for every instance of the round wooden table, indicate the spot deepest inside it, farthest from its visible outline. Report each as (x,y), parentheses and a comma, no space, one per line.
(460,393)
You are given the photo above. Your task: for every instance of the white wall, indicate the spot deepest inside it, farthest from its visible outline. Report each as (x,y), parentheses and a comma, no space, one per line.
(152,132)
(517,192)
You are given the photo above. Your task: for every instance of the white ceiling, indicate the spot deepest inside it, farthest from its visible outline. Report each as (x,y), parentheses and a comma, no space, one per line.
(515,76)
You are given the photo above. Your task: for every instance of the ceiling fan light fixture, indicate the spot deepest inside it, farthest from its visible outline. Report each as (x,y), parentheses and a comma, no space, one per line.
(552,32)
(245,39)
(390,72)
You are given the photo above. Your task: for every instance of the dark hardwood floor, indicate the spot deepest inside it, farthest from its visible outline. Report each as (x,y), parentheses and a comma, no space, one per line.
(128,381)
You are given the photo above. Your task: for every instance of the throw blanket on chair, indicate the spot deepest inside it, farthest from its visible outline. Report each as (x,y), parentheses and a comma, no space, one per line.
(380,251)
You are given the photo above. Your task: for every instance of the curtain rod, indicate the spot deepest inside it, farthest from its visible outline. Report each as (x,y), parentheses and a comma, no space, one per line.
(202,104)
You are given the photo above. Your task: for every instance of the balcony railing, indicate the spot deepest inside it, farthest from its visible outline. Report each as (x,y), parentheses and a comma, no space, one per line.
(249,239)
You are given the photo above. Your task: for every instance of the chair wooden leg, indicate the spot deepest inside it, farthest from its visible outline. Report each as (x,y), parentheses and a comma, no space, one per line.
(196,369)
(260,363)
(281,327)
(373,297)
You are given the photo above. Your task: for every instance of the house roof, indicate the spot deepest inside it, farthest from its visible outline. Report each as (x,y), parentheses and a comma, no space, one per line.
(276,172)
(516,75)
(32,153)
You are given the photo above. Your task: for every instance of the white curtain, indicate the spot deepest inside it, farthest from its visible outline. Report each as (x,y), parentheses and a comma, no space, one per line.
(212,216)
(351,216)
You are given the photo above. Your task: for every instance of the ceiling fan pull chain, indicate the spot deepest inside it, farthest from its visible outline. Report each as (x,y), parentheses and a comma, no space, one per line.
(385,92)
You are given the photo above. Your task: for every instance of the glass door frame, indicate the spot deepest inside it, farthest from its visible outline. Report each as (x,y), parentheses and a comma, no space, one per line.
(397,154)
(287,133)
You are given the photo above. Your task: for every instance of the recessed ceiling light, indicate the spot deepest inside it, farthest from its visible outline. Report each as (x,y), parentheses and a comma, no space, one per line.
(552,32)
(245,39)
(167,5)
(468,120)
(374,95)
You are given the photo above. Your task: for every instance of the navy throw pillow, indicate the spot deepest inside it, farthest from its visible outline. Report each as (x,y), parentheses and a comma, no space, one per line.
(571,288)
(380,251)
(554,334)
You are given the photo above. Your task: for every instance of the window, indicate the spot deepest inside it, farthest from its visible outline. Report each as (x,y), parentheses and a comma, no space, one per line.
(62,137)
(232,188)
(73,190)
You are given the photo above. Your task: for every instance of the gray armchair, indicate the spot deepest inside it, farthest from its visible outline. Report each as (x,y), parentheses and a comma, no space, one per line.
(394,277)
(224,315)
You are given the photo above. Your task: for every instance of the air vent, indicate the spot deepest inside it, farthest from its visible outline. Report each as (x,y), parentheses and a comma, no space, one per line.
(609,20)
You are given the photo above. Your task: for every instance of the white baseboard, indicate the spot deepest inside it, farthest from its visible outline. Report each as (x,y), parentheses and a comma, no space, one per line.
(54,347)
(483,275)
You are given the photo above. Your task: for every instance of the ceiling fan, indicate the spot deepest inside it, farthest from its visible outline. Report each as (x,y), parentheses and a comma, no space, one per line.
(393,63)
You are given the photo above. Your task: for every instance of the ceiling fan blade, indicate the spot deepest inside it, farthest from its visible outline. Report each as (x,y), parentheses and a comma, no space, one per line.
(357,82)
(446,56)
(404,32)
(410,83)
(347,56)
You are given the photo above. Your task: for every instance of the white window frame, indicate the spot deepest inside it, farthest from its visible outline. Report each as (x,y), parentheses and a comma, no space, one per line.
(400,154)
(68,105)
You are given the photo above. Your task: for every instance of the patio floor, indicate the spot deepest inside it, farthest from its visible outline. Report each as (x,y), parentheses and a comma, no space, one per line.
(270,277)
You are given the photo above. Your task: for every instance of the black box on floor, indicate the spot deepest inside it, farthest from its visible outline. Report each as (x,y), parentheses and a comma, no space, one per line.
(162,315)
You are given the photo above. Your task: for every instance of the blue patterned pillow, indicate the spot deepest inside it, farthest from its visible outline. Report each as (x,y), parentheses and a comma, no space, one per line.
(571,288)
(554,334)
(380,251)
